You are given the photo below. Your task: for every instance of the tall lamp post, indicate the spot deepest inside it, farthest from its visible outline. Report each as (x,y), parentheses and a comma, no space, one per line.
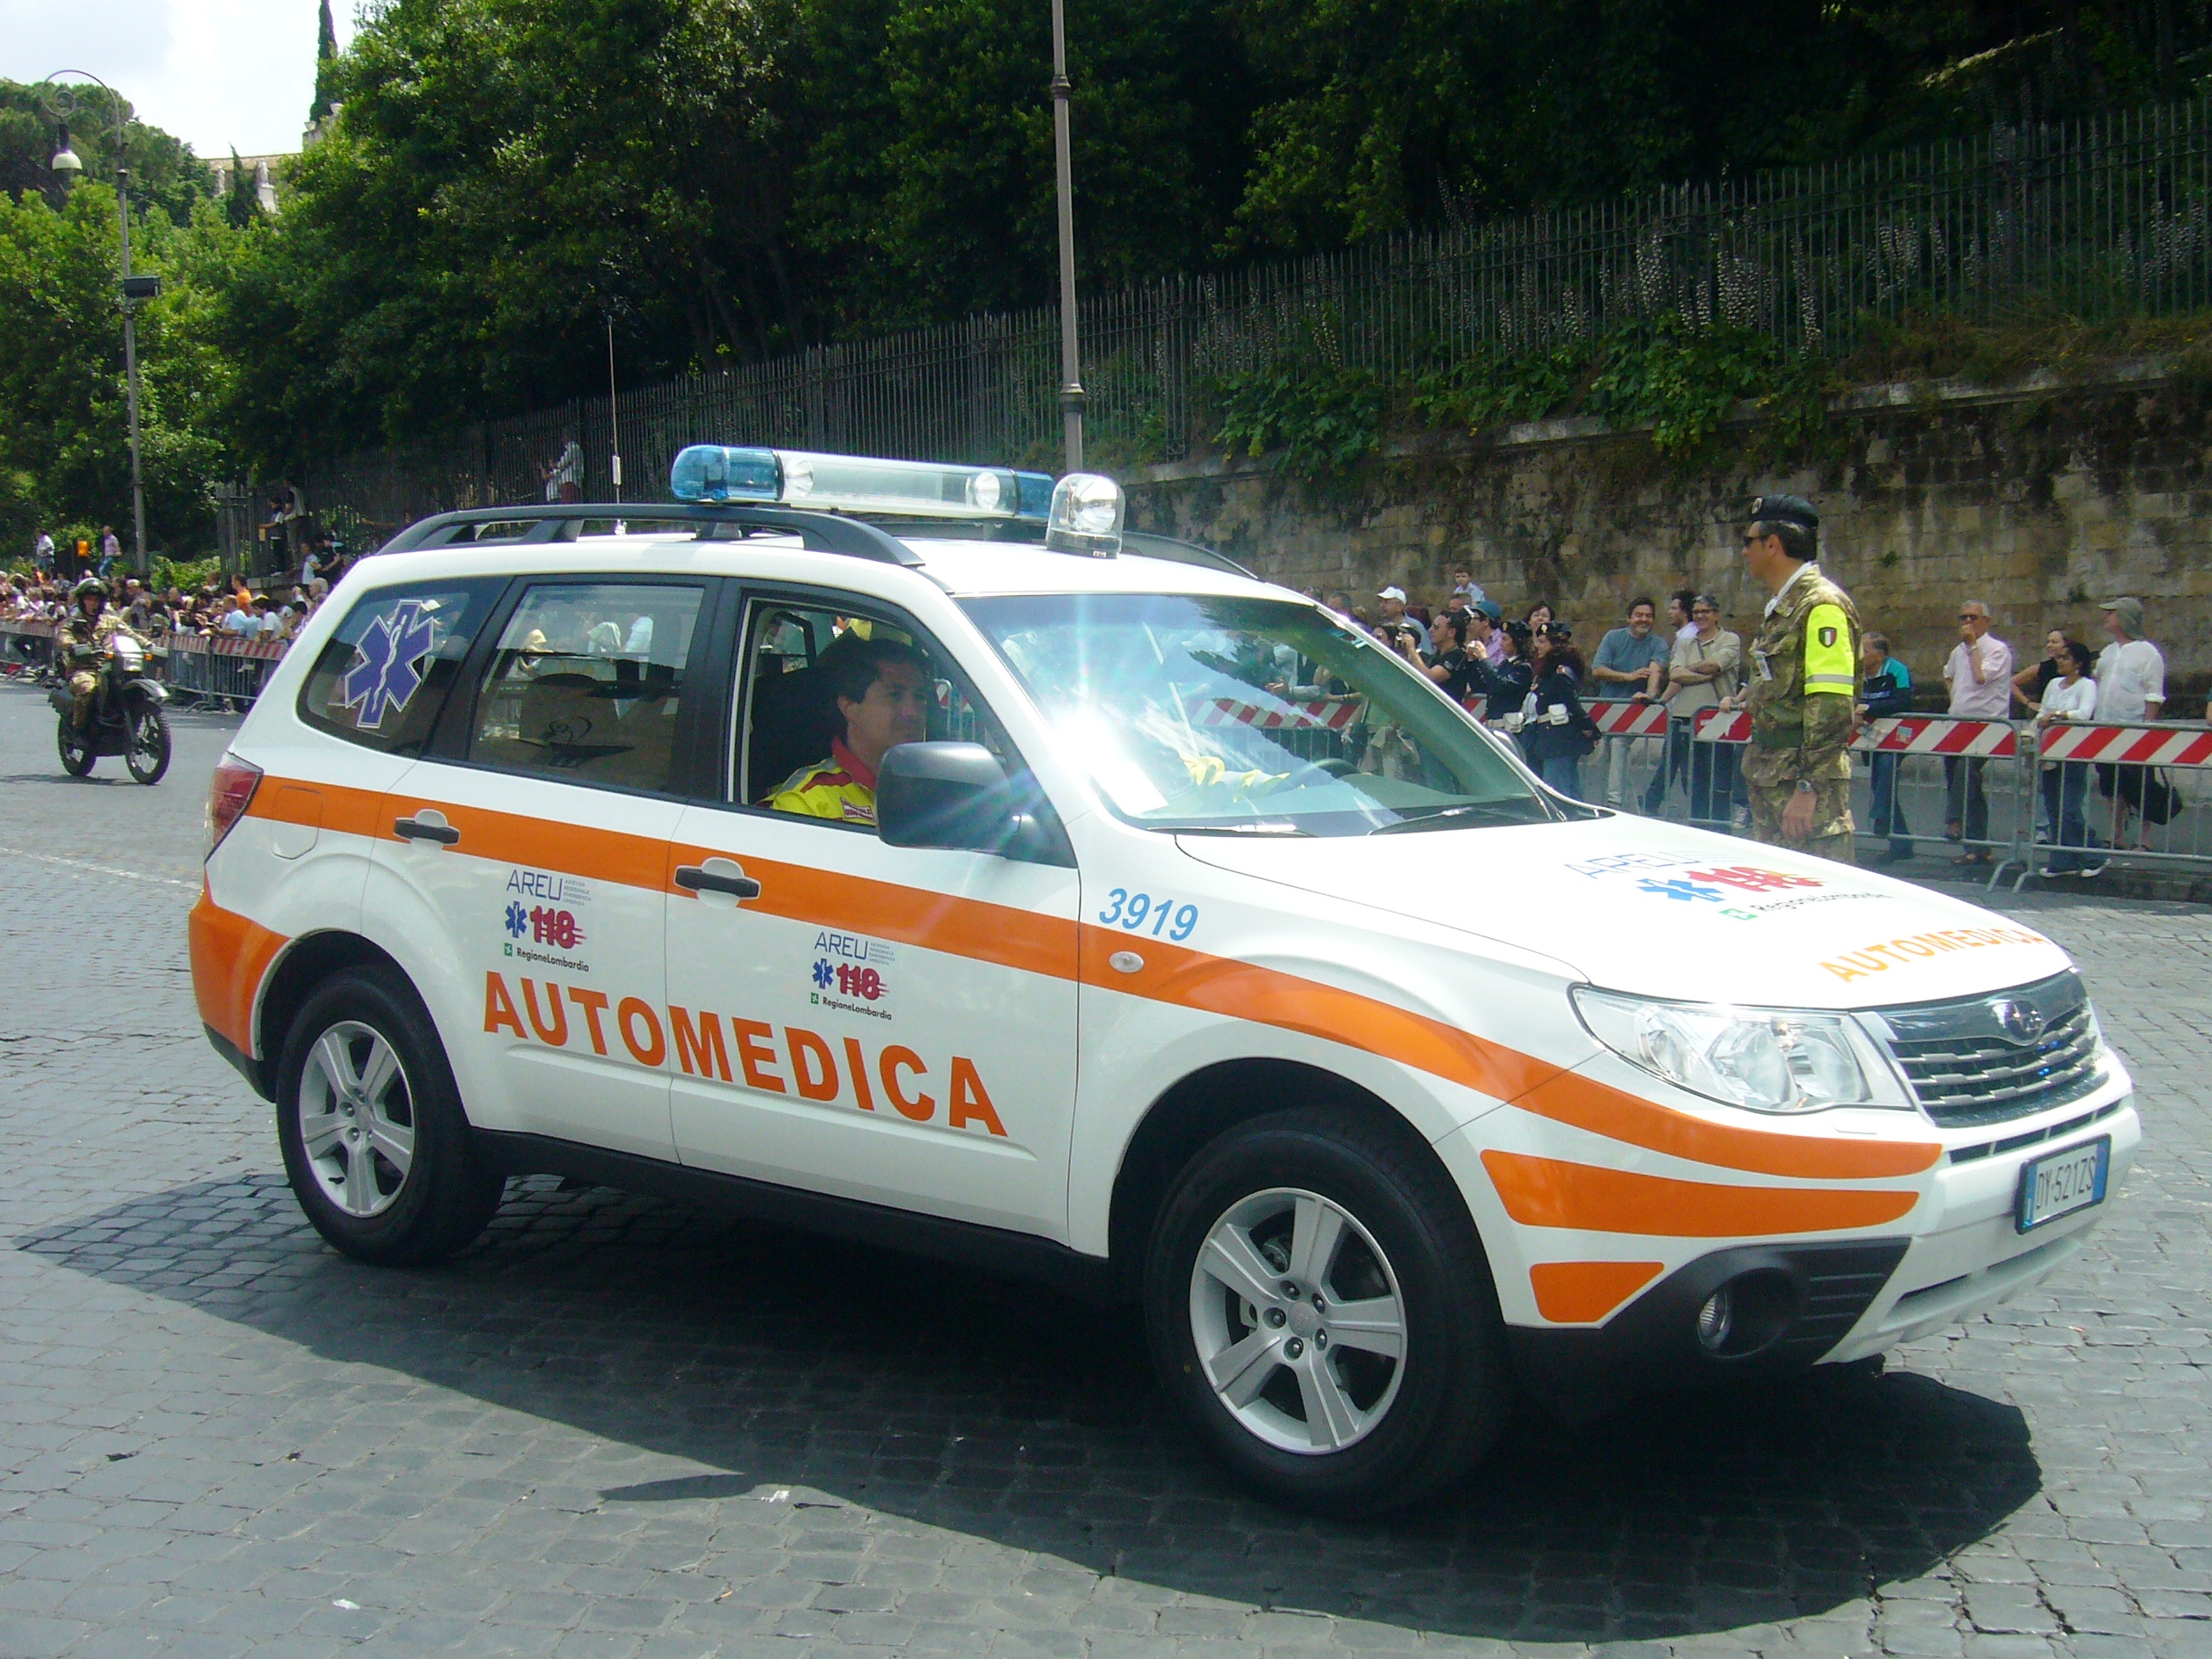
(61,103)
(1071,378)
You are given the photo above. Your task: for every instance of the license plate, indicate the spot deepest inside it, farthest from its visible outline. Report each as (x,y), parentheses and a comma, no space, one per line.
(2060,1182)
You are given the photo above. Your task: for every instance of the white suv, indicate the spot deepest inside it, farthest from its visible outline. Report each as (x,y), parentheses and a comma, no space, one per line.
(1182,944)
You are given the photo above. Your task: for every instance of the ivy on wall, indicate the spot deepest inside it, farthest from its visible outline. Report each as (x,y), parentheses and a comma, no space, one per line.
(1675,382)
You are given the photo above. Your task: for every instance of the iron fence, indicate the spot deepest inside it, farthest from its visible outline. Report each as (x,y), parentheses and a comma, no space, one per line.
(2096,219)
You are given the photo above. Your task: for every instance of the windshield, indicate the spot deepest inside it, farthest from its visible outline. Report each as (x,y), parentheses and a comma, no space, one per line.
(1251,717)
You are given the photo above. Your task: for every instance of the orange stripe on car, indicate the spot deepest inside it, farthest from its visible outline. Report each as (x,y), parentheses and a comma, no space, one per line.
(1550,1192)
(230,956)
(971,928)
(1022,939)
(1583,1293)
(1584,1102)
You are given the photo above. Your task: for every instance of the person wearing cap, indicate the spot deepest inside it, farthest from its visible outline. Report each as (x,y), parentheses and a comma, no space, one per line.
(1802,686)
(1396,620)
(1485,631)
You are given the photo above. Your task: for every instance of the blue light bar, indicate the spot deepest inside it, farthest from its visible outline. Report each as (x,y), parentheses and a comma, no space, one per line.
(1035,497)
(858,483)
(709,472)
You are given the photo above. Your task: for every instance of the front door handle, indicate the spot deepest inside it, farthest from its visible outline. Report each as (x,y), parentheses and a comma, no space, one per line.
(692,878)
(416,829)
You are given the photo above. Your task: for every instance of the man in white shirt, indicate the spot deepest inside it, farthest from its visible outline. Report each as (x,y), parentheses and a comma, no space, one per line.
(2131,685)
(2131,674)
(240,621)
(1980,675)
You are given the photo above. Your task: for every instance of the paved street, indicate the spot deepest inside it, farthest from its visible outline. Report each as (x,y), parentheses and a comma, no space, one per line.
(614,1428)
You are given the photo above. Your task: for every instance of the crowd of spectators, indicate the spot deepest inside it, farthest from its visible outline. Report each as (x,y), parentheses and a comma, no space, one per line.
(212,610)
(1528,676)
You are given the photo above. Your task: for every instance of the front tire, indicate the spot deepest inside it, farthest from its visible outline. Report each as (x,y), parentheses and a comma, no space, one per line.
(1319,1305)
(376,1143)
(77,750)
(148,753)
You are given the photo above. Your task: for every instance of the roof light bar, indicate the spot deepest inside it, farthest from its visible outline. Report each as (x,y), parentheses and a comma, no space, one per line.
(856,483)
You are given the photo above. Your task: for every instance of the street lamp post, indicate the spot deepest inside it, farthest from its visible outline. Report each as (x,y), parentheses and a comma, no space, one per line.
(61,104)
(1071,378)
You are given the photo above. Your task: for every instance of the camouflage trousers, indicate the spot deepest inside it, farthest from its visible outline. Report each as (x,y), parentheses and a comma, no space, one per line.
(1833,835)
(83,686)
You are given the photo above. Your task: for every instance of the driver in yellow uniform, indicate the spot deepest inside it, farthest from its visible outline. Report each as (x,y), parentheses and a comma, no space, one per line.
(882,689)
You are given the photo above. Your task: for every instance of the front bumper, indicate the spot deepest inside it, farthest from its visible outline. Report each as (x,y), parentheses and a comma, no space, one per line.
(1956,1254)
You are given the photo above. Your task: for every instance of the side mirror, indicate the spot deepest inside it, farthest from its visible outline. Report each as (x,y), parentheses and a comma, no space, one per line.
(958,795)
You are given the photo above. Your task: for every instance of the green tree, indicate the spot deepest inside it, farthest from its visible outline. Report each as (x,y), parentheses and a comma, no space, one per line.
(163,170)
(927,187)
(64,452)
(325,64)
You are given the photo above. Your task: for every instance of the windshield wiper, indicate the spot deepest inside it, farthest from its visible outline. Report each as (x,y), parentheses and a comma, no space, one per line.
(1430,820)
(1223,827)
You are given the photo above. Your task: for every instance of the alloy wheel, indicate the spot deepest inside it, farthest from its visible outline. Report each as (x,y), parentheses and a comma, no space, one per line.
(357,1119)
(1297,1320)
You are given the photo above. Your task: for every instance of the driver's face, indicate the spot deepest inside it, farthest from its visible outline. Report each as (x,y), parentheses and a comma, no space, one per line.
(895,711)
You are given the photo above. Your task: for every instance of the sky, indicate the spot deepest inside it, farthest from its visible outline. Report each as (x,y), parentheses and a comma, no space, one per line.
(222,75)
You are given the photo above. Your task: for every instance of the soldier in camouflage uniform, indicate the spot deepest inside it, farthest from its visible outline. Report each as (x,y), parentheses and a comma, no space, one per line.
(1801,686)
(80,640)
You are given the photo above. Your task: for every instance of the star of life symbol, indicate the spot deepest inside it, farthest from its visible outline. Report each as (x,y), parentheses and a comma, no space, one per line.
(384,676)
(823,975)
(518,921)
(1677,889)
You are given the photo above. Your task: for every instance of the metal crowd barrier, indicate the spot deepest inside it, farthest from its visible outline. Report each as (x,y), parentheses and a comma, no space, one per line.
(2140,792)
(27,647)
(1973,790)
(218,667)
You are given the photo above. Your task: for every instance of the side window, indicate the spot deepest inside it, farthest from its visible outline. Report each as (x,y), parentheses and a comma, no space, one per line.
(797,735)
(384,674)
(587,682)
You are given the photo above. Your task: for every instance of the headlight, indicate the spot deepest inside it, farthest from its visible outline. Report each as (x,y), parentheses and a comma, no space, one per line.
(1768,1059)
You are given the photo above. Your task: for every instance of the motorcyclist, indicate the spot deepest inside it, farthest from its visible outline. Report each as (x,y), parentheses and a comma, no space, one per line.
(82,640)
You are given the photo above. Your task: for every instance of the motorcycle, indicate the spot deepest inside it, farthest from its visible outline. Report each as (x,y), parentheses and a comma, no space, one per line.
(127,716)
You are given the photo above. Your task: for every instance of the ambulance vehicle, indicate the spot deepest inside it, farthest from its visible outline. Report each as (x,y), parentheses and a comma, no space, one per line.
(1190,950)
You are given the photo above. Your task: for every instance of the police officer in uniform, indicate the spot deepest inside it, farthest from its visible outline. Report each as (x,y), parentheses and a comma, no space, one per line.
(1802,686)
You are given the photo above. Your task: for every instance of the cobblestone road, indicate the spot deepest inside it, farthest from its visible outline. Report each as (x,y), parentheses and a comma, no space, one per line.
(614,1428)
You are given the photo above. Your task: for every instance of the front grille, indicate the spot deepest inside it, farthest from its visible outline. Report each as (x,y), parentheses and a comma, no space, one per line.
(1999,1057)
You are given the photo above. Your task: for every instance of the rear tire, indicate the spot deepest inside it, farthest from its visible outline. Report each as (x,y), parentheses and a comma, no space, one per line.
(376,1145)
(1285,1253)
(148,754)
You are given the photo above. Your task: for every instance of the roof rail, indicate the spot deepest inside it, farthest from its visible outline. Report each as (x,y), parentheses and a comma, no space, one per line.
(820,532)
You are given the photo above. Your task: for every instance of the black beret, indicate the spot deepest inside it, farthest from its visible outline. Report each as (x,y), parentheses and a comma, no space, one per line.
(1784,509)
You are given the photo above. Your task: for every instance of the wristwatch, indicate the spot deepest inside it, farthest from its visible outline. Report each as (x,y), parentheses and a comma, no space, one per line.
(1804,786)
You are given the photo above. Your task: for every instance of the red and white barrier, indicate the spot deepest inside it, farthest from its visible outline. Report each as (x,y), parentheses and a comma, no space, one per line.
(33,627)
(1939,734)
(1721,725)
(1629,719)
(2126,745)
(229,645)
(1331,714)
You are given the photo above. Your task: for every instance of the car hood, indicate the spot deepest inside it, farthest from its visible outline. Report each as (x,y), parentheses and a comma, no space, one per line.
(1659,909)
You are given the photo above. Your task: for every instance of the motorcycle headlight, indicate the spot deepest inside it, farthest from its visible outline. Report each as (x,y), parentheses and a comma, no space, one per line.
(1767,1059)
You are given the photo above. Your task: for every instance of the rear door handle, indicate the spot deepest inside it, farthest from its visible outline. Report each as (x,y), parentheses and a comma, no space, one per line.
(694,879)
(416,829)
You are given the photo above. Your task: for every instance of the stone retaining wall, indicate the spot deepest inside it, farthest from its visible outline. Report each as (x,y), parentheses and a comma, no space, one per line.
(2041,499)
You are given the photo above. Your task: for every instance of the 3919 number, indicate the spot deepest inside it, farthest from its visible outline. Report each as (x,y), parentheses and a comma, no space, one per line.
(1132,911)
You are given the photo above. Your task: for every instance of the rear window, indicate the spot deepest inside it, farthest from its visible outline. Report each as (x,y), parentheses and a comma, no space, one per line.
(384,674)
